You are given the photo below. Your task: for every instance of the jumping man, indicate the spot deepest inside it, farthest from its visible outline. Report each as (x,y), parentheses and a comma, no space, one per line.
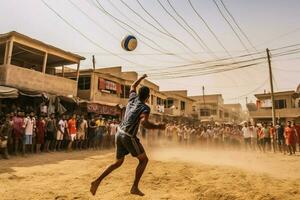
(126,140)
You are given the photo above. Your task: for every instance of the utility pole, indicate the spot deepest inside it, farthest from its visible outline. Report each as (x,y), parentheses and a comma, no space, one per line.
(94,63)
(246,100)
(203,95)
(272,90)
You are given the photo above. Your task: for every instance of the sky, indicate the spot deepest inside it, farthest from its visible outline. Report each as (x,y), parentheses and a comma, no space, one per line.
(85,29)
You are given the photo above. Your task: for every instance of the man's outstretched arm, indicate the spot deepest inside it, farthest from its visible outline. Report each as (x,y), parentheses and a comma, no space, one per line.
(137,82)
(149,125)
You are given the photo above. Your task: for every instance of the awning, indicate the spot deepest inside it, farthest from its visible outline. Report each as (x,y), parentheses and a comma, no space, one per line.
(105,103)
(8,92)
(32,94)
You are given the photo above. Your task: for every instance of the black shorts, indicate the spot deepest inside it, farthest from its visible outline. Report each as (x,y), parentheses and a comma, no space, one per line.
(126,145)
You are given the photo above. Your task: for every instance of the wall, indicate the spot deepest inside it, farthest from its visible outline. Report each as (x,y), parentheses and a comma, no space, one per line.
(28,79)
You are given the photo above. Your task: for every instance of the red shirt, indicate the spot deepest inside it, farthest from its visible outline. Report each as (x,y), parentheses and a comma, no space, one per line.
(72,126)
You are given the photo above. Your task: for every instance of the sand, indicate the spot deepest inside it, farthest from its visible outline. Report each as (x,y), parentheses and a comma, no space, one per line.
(173,173)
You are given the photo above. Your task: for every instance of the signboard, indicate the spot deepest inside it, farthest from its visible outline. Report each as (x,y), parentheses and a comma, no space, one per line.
(266,103)
(103,109)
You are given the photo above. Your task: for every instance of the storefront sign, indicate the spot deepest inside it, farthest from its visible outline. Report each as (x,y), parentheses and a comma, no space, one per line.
(103,109)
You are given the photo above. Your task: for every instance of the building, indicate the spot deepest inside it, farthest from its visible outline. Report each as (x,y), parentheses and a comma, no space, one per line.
(286,107)
(233,113)
(212,108)
(109,88)
(178,104)
(29,65)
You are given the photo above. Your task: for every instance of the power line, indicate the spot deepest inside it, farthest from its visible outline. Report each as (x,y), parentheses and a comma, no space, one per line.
(208,27)
(230,25)
(86,37)
(163,28)
(191,28)
(103,10)
(164,8)
(239,27)
(141,17)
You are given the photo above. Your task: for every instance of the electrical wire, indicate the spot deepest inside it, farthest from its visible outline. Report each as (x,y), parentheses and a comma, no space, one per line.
(239,27)
(191,28)
(163,28)
(168,13)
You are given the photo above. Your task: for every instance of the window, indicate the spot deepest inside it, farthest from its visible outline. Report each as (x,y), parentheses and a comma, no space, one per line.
(226,115)
(220,114)
(169,103)
(152,99)
(159,101)
(204,112)
(182,105)
(125,90)
(280,104)
(194,108)
(84,83)
(213,112)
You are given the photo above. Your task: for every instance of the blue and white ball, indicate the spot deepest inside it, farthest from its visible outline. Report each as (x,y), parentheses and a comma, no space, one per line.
(129,43)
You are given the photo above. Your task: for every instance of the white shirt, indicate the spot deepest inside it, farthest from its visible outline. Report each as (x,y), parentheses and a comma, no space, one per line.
(246,132)
(62,125)
(29,125)
(113,129)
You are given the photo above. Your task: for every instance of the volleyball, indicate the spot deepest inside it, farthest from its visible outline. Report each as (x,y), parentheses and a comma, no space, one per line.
(129,43)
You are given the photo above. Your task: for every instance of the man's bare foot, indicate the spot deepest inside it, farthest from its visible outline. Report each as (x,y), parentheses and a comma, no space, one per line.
(94,187)
(136,191)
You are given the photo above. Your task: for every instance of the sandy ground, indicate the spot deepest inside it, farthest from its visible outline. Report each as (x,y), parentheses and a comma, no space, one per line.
(173,173)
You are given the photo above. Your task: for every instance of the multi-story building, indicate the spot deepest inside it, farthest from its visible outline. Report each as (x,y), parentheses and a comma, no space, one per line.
(28,64)
(109,88)
(212,108)
(286,107)
(178,103)
(233,113)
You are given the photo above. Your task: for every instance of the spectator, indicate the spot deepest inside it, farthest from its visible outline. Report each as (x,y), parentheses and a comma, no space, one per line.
(72,131)
(29,126)
(18,133)
(5,134)
(82,130)
(62,128)
(40,133)
(51,129)
(290,140)
(247,135)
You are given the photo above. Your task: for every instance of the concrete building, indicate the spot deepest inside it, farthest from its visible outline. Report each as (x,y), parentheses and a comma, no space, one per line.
(233,113)
(212,108)
(28,64)
(286,107)
(111,87)
(179,104)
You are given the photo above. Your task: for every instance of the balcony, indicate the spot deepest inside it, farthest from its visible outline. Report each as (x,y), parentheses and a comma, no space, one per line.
(28,79)
(282,113)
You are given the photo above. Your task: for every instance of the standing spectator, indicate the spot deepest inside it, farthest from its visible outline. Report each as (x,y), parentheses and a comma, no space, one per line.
(280,137)
(40,133)
(273,137)
(267,137)
(82,130)
(261,137)
(290,140)
(62,126)
(51,129)
(91,133)
(113,130)
(5,134)
(29,126)
(247,135)
(72,131)
(18,133)
(254,139)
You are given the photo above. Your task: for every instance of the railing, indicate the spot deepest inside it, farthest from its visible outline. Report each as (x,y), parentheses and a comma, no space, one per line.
(27,79)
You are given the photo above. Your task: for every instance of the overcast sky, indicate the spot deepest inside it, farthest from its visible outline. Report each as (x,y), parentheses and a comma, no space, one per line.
(268,23)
